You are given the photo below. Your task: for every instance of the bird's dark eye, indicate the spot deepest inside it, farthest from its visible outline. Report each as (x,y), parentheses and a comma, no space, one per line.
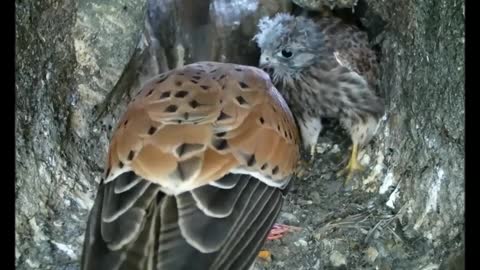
(286,53)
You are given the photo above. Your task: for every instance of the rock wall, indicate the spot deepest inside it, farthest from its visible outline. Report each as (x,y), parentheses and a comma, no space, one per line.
(69,56)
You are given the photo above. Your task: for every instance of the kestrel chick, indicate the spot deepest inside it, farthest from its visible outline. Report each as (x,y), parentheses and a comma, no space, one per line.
(196,172)
(323,68)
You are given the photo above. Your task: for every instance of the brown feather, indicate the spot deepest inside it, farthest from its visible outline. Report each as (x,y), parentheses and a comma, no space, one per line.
(185,107)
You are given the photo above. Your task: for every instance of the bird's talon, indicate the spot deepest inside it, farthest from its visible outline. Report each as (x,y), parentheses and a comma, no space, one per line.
(352,167)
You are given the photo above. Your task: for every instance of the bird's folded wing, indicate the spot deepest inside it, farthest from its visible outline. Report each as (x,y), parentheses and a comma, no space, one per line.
(351,47)
(180,232)
(356,64)
(195,172)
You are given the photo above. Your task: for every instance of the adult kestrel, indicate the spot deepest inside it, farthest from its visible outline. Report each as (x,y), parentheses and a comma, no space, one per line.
(323,68)
(196,172)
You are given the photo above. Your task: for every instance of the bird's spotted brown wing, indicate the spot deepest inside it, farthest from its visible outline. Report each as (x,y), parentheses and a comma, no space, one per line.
(195,172)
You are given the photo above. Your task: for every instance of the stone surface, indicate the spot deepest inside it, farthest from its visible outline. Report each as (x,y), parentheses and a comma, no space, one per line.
(69,55)
(80,62)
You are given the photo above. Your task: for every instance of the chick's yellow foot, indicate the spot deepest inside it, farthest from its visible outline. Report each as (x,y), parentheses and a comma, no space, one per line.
(352,167)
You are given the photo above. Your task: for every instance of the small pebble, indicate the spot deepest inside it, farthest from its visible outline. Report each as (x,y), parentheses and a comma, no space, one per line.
(315,196)
(301,243)
(365,160)
(337,259)
(372,254)
(335,149)
(304,202)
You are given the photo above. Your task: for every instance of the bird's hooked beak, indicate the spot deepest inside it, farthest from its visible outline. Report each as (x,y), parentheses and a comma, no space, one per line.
(264,59)
(265,62)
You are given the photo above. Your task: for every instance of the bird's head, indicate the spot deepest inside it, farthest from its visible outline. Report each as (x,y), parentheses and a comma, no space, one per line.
(288,45)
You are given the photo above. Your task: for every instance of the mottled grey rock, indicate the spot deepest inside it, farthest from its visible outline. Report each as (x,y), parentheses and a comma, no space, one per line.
(423,139)
(69,54)
(104,35)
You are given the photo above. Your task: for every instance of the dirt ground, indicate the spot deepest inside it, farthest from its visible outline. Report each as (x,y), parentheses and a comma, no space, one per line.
(341,227)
